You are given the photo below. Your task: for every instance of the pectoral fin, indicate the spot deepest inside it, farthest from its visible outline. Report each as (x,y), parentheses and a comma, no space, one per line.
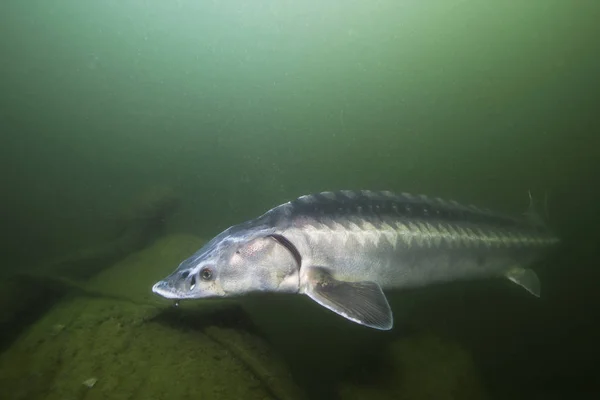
(525,278)
(361,302)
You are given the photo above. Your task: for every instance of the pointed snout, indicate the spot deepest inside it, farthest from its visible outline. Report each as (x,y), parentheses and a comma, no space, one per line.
(180,285)
(166,289)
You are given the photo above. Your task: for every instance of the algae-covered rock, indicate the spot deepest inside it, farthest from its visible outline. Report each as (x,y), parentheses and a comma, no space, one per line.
(123,343)
(421,367)
(126,357)
(260,359)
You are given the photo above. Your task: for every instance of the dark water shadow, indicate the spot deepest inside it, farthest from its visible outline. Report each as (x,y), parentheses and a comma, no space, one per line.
(223,315)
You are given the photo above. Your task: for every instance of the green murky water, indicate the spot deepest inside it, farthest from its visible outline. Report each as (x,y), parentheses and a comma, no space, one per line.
(134,131)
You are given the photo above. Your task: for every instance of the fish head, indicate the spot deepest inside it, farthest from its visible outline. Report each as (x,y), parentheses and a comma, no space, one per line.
(232,265)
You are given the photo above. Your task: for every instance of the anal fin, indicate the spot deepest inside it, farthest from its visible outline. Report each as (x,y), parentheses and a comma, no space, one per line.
(525,278)
(360,302)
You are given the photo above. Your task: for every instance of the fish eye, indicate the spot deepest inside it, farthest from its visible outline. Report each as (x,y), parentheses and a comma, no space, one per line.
(206,274)
(193,282)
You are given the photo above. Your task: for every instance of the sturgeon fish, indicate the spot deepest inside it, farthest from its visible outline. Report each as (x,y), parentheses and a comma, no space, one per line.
(344,248)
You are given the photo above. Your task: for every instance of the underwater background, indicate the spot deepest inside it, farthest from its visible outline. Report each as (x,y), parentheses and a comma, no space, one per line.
(131,132)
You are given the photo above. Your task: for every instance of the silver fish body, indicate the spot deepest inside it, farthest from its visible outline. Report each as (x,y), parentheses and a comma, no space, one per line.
(344,248)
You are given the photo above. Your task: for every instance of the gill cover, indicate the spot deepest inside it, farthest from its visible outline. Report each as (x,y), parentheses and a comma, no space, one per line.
(263,264)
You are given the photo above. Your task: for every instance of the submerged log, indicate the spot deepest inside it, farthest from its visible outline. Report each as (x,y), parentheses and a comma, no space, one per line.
(29,293)
(138,225)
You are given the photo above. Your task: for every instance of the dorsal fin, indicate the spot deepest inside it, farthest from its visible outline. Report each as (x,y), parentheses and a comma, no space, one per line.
(532,213)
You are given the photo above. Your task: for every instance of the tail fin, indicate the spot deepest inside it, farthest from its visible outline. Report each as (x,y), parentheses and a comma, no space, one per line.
(532,213)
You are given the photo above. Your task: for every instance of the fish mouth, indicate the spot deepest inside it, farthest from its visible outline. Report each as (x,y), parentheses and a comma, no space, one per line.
(166,290)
